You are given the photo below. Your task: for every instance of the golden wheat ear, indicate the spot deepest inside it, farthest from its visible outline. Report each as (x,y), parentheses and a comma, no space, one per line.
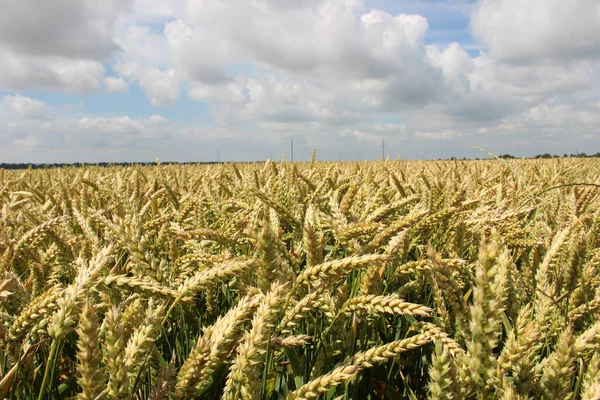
(417,279)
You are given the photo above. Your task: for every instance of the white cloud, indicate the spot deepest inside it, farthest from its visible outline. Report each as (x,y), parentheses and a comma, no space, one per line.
(272,99)
(334,38)
(331,62)
(26,107)
(156,10)
(29,142)
(438,135)
(58,45)
(337,66)
(111,126)
(115,84)
(533,30)
(557,119)
(19,72)
(142,45)
(374,133)
(455,63)
(63,28)
(98,133)
(530,80)
(161,86)
(315,70)
(157,119)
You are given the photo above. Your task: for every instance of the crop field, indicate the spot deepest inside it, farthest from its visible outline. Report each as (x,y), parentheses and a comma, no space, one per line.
(347,280)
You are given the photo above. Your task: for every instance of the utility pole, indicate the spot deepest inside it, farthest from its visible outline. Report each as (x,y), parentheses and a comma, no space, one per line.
(383,149)
(218,156)
(292,149)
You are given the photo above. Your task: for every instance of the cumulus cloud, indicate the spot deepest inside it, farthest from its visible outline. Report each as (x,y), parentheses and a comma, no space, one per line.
(558,119)
(343,63)
(18,72)
(320,71)
(455,63)
(142,45)
(26,107)
(114,84)
(334,38)
(272,99)
(57,45)
(525,31)
(62,28)
(111,126)
(327,62)
(161,86)
(71,134)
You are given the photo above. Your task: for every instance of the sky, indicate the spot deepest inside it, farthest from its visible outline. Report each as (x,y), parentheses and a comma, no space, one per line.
(193,80)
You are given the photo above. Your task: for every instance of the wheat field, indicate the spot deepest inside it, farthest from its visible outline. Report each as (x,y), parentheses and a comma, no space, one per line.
(346,280)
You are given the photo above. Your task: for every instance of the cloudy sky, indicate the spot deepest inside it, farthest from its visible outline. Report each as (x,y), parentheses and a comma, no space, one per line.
(133,80)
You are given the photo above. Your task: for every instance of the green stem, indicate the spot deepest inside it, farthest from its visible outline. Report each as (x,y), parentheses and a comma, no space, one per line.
(175,302)
(49,364)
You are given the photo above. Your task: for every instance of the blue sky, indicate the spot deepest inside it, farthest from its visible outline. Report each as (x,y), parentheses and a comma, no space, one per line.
(137,80)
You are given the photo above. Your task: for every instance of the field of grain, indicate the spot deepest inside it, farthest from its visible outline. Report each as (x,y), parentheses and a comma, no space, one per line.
(391,280)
